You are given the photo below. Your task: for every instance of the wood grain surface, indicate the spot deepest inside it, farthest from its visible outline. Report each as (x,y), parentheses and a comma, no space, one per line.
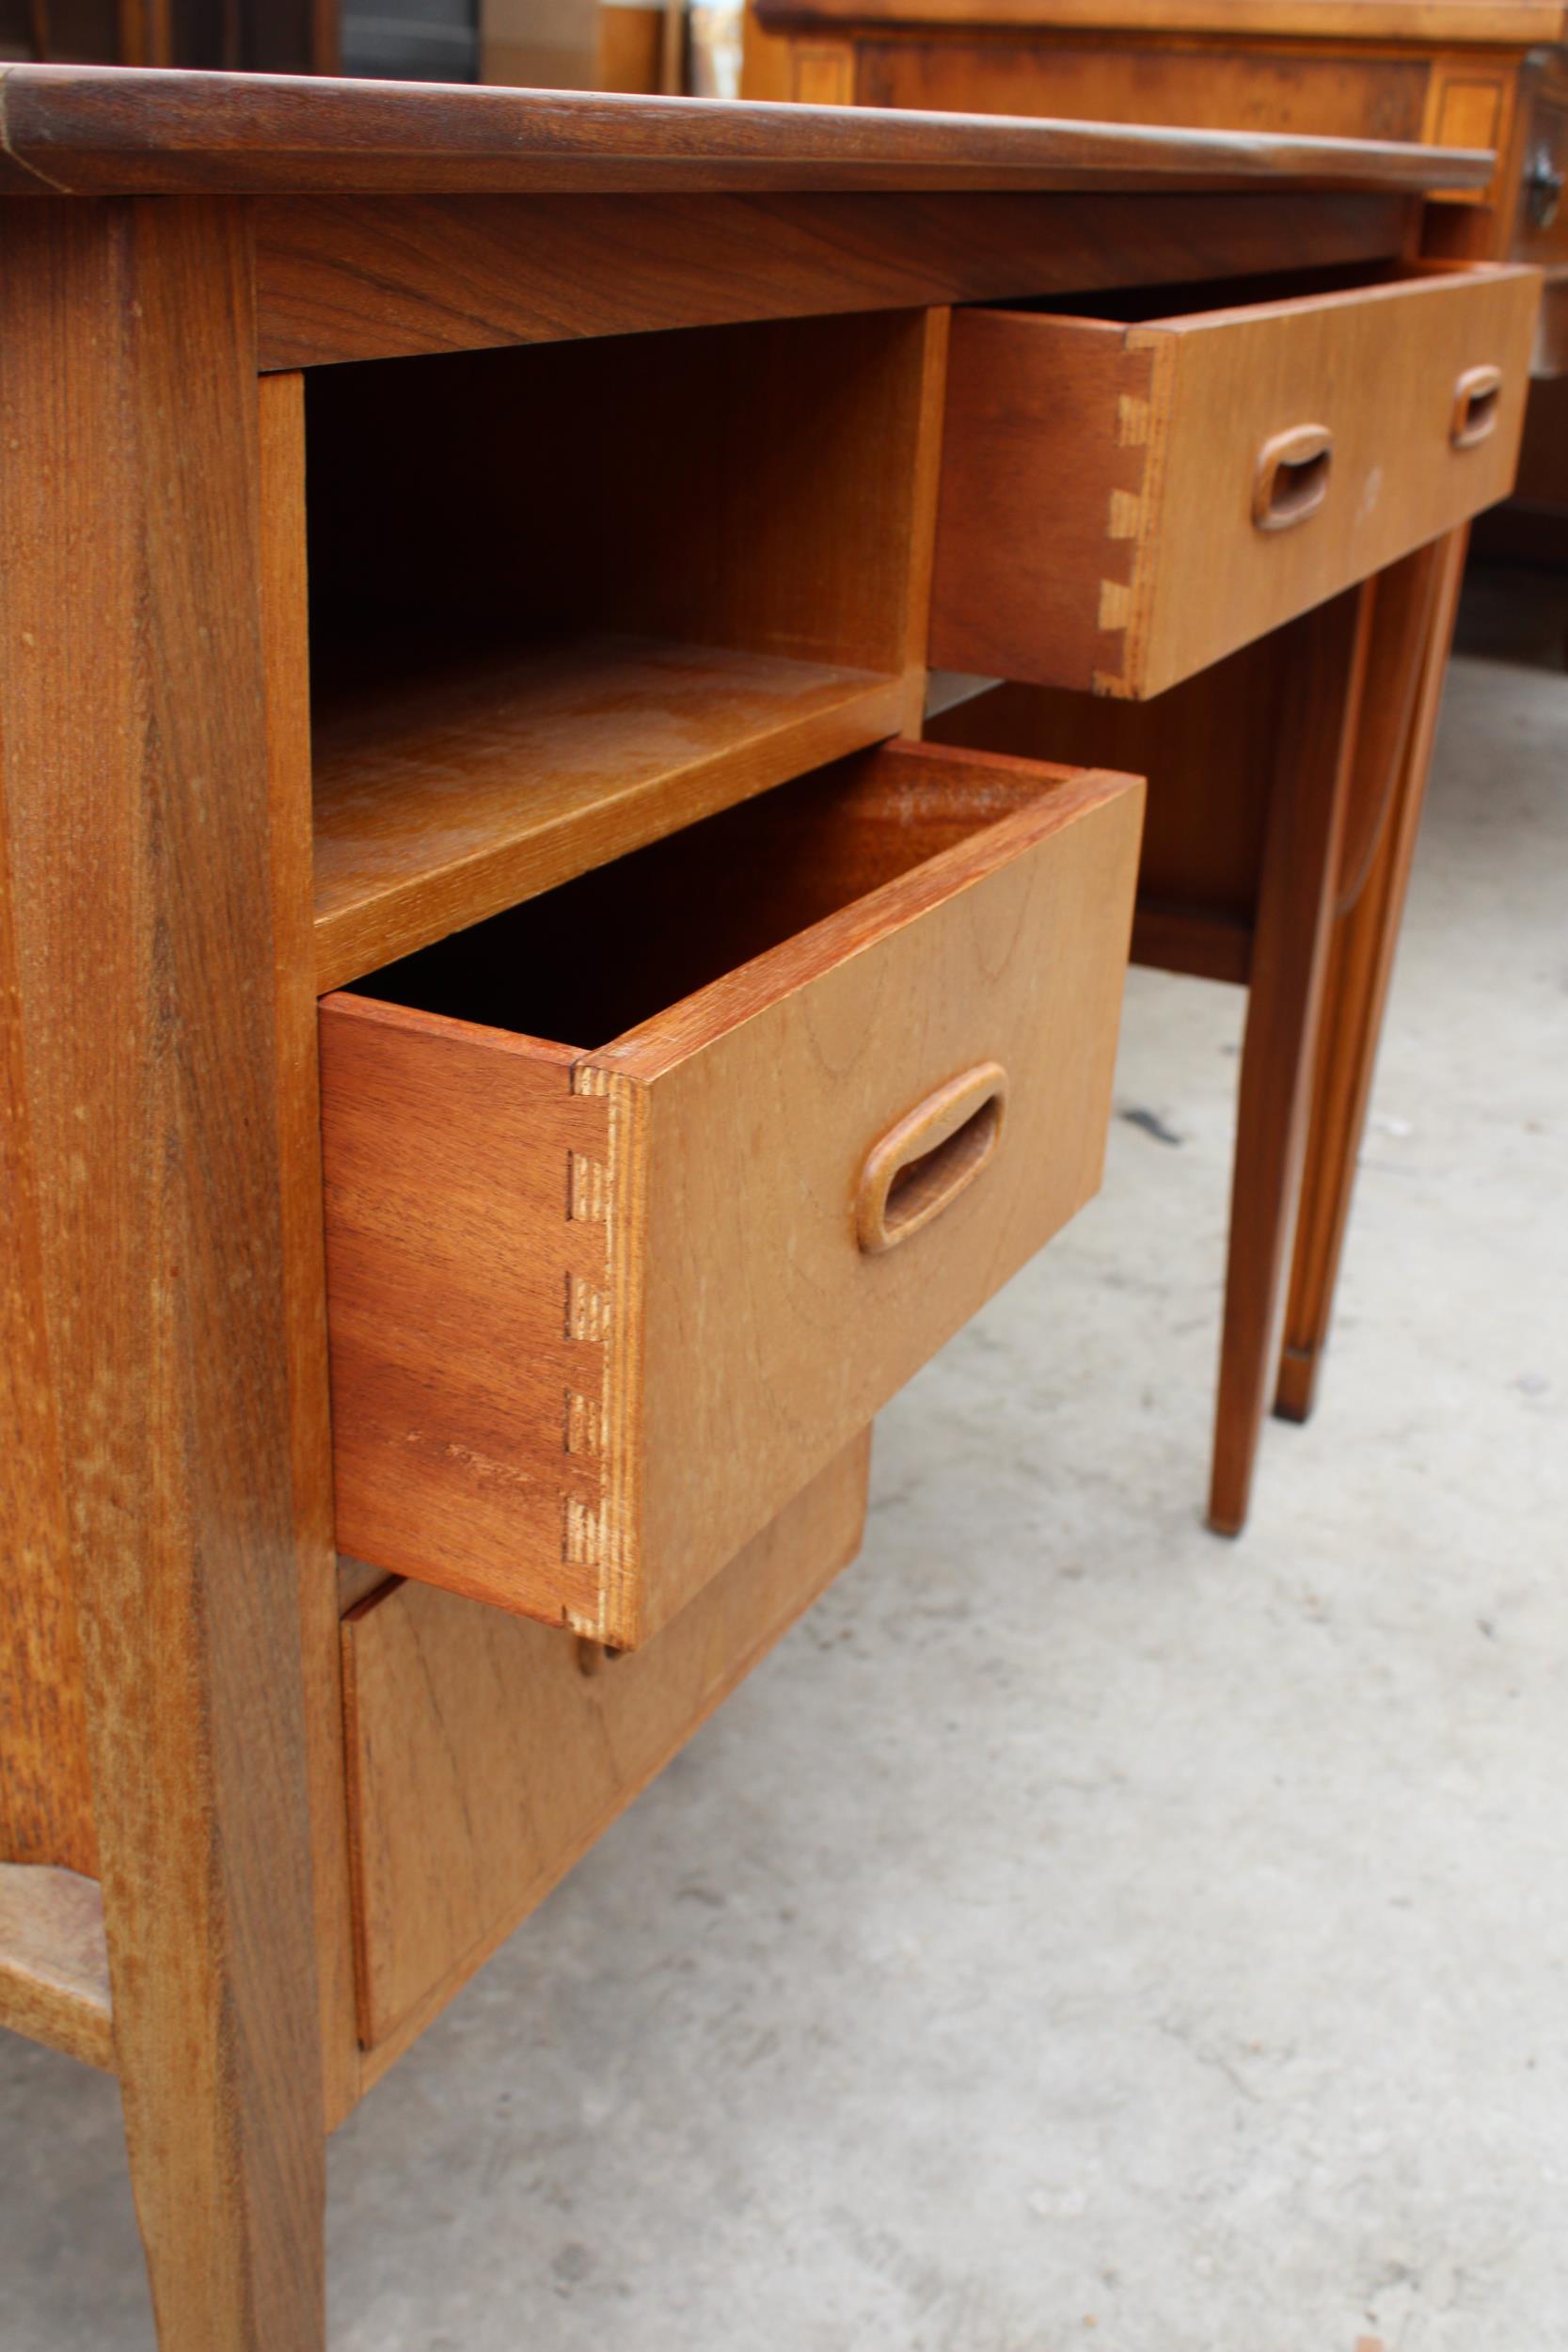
(137,807)
(484,730)
(1514,22)
(286,656)
(101,130)
(741,1012)
(345,278)
(442,797)
(55,1963)
(46,1787)
(1379,369)
(1325,678)
(761,492)
(1219,83)
(1094,471)
(1372,901)
(768,1092)
(451,1248)
(1208,748)
(486,1760)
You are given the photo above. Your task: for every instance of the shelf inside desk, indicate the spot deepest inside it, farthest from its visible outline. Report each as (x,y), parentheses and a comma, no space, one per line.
(445,790)
(54,1961)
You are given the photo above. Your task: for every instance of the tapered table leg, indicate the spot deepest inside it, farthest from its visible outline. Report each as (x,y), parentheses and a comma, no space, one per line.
(134,800)
(1324,674)
(1405,687)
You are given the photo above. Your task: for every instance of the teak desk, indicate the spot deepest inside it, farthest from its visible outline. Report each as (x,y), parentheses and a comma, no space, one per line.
(693,1054)
(1454,73)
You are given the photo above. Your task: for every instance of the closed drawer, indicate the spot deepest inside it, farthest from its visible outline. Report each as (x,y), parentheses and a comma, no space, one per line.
(642,1197)
(486,1753)
(1124,501)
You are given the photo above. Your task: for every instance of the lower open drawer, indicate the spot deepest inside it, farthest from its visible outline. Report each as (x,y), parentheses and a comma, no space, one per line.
(485,1753)
(840,1061)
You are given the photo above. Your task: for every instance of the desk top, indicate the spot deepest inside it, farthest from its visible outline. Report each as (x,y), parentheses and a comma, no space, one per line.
(109,131)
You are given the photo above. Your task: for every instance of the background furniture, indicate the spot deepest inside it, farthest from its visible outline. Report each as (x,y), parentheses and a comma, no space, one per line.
(1451,71)
(271,734)
(233,36)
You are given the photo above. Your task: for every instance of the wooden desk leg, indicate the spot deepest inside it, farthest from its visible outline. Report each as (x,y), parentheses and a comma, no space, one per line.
(1325,669)
(1361,963)
(133,797)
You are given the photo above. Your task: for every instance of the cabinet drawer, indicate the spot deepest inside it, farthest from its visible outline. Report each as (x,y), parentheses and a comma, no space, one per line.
(485,1755)
(1126,500)
(642,1197)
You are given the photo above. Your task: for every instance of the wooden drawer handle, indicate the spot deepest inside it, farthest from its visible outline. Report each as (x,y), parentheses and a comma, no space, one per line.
(1292,480)
(1474,406)
(929,1157)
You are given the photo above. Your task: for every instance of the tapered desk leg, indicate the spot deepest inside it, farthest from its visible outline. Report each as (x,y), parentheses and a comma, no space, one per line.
(1361,963)
(1325,670)
(134,798)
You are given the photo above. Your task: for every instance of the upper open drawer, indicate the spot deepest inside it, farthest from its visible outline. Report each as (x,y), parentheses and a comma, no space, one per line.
(1125,500)
(642,1197)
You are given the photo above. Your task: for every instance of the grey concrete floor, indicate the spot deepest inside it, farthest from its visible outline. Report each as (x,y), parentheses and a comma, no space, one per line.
(1081,1931)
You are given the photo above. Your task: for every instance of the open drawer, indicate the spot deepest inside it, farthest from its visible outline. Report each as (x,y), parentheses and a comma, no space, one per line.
(643,1196)
(1127,498)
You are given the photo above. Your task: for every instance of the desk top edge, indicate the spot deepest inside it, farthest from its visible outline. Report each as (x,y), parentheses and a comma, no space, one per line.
(108,131)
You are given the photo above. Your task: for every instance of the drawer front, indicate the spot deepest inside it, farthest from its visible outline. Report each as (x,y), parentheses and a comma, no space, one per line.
(486,1753)
(1122,505)
(597,1317)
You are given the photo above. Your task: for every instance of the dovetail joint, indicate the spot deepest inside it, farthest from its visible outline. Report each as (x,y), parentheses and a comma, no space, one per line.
(583,1423)
(1115,604)
(587,1311)
(1135,418)
(582,1532)
(1126,517)
(587,1189)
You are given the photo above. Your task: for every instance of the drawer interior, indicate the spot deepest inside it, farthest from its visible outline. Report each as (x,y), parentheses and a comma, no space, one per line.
(1141,305)
(618,945)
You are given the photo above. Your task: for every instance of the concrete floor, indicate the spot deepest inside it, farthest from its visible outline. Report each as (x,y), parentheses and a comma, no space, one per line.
(1081,1931)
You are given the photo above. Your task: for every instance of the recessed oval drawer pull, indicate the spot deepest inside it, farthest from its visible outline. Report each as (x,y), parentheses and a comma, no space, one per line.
(1476,397)
(1292,480)
(934,1152)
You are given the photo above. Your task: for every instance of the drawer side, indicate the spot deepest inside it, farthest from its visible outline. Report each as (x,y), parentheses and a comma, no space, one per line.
(472,1289)
(1047,476)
